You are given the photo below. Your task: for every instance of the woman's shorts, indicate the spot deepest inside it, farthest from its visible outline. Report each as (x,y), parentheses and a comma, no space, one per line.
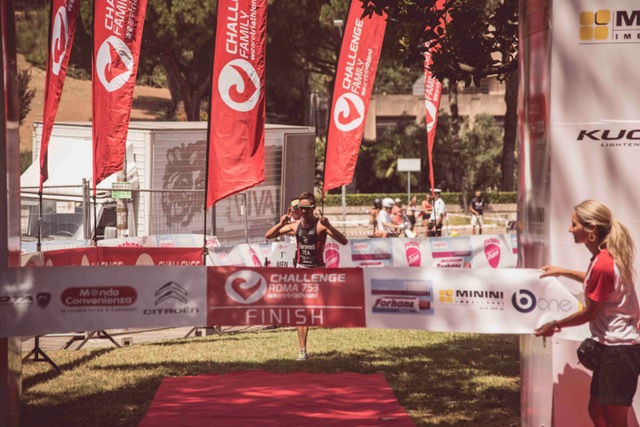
(615,379)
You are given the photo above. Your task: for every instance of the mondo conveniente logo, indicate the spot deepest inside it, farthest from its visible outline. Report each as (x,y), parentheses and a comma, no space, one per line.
(348,112)
(111,296)
(246,286)
(611,26)
(239,85)
(114,63)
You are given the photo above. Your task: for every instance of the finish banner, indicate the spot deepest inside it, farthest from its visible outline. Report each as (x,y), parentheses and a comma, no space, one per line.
(237,118)
(117,33)
(35,301)
(62,27)
(285,296)
(359,55)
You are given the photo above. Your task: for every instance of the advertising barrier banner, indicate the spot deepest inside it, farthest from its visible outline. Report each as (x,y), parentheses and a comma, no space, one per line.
(35,301)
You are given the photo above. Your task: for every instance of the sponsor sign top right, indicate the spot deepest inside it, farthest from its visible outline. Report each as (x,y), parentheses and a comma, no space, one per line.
(609,26)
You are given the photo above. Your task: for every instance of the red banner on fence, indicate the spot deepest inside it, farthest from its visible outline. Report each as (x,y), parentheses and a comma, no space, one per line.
(62,27)
(236,122)
(116,256)
(359,55)
(117,33)
(283,296)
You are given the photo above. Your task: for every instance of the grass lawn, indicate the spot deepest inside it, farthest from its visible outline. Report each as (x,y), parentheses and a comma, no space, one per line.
(441,379)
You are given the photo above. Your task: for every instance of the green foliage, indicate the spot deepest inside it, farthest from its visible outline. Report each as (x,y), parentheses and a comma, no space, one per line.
(453,198)
(25,160)
(25,95)
(32,35)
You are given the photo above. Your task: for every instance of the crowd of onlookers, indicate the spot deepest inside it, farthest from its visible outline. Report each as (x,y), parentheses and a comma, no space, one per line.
(390,218)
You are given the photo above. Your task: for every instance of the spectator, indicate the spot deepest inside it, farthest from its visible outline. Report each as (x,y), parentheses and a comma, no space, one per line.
(386,226)
(426,213)
(411,213)
(373,216)
(436,221)
(476,207)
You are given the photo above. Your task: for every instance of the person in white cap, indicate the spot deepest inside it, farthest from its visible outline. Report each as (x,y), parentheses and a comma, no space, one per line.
(386,226)
(436,221)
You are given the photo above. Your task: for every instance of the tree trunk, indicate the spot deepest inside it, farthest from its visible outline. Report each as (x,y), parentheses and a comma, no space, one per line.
(510,133)
(457,172)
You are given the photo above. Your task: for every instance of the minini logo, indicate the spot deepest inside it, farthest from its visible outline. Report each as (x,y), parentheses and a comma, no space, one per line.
(595,25)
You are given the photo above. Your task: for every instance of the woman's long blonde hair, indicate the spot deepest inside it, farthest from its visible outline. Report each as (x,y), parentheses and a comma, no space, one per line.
(610,234)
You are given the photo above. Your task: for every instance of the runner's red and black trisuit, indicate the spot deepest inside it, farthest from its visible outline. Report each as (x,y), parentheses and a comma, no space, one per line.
(310,246)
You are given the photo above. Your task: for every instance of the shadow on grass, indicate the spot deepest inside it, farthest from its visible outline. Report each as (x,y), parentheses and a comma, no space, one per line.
(50,374)
(152,105)
(467,381)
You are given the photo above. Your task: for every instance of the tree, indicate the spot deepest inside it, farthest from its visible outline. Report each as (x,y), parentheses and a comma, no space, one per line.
(25,95)
(479,39)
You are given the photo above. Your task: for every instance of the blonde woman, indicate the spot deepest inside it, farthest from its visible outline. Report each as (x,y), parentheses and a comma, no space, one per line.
(611,308)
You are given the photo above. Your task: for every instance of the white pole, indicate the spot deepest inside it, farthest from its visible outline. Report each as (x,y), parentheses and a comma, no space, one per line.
(409,187)
(344,209)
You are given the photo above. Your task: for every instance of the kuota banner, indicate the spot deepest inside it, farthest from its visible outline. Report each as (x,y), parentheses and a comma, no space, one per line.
(357,65)
(285,296)
(117,34)
(62,27)
(237,118)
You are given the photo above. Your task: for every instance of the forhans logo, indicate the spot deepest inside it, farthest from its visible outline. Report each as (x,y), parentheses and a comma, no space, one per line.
(59,38)
(171,290)
(348,113)
(246,286)
(613,26)
(524,301)
(114,64)
(239,85)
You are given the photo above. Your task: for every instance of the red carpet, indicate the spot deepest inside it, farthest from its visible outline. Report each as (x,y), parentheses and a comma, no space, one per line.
(258,398)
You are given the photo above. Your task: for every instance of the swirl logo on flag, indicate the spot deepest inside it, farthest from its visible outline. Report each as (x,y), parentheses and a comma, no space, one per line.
(245,286)
(239,85)
(432,114)
(524,301)
(114,63)
(348,112)
(59,37)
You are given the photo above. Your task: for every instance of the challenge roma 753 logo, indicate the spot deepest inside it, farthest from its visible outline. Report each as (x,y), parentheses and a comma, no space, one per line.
(239,85)
(348,113)
(114,63)
(245,286)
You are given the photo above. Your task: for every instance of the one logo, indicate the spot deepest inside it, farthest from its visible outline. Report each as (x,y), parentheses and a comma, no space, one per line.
(114,63)
(171,290)
(43,299)
(492,252)
(348,112)
(524,301)
(412,252)
(239,85)
(245,286)
(595,26)
(432,114)
(59,38)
